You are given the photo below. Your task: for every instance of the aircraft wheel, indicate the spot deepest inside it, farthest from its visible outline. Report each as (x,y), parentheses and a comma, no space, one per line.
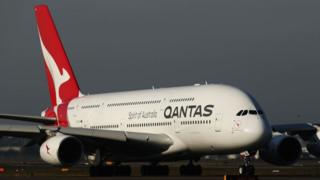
(197,170)
(93,171)
(96,171)
(102,170)
(250,170)
(190,170)
(246,170)
(164,171)
(183,170)
(123,171)
(154,170)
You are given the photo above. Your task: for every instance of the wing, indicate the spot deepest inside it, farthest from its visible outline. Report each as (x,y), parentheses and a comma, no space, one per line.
(36,119)
(121,141)
(112,141)
(16,130)
(304,130)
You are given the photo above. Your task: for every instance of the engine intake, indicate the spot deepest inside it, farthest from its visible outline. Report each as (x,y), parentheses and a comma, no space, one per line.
(281,150)
(61,150)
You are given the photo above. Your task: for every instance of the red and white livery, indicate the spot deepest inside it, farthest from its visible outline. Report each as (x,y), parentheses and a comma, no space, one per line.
(154,125)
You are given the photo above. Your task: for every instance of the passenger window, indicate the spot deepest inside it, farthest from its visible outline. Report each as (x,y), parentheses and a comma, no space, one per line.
(245,112)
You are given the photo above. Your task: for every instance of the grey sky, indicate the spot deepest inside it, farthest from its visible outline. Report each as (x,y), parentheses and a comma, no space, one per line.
(268,48)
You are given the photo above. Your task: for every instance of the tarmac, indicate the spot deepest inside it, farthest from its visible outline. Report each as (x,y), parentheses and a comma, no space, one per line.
(157,178)
(212,169)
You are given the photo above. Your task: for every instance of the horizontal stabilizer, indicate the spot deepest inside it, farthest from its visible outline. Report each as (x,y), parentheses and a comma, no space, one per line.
(35,119)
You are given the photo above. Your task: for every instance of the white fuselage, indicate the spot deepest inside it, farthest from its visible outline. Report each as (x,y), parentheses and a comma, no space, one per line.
(199,119)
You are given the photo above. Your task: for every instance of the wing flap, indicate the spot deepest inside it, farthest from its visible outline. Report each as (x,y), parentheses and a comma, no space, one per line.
(94,133)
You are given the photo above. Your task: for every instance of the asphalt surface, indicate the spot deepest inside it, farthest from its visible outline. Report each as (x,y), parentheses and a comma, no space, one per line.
(306,169)
(159,178)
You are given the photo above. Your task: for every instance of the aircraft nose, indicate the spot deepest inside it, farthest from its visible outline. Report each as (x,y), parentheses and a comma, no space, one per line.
(257,132)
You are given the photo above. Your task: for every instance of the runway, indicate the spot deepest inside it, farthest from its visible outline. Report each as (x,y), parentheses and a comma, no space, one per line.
(212,169)
(158,178)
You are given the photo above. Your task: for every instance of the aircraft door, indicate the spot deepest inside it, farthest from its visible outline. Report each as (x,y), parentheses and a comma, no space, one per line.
(75,116)
(217,122)
(177,126)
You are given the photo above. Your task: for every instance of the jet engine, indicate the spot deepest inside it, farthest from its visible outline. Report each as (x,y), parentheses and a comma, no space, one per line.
(281,150)
(313,146)
(61,150)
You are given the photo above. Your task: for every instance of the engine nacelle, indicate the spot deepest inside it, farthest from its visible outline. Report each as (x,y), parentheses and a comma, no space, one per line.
(281,150)
(61,150)
(313,145)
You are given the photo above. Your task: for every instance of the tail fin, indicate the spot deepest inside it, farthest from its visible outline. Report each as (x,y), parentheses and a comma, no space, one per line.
(62,83)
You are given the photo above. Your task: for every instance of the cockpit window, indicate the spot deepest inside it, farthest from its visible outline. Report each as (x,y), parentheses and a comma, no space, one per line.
(245,112)
(239,113)
(253,112)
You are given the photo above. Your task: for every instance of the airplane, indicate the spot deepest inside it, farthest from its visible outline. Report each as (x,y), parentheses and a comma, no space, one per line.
(152,126)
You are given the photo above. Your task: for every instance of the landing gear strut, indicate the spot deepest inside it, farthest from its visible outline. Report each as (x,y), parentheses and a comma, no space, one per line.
(190,170)
(247,169)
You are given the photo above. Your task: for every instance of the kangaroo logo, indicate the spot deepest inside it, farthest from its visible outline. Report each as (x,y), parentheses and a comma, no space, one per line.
(47,147)
(58,78)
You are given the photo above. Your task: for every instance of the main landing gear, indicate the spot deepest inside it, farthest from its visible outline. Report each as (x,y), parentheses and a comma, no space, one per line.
(154,170)
(247,168)
(190,170)
(109,170)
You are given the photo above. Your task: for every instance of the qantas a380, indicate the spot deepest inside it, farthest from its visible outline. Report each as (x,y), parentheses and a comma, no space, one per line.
(152,126)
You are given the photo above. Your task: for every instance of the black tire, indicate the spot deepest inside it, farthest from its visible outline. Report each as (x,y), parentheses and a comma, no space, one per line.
(143,170)
(106,170)
(246,170)
(183,170)
(122,170)
(197,170)
(242,170)
(154,170)
(93,171)
(190,170)
(250,170)
(163,170)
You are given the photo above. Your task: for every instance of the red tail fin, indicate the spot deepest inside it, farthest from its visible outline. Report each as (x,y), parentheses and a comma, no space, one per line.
(62,83)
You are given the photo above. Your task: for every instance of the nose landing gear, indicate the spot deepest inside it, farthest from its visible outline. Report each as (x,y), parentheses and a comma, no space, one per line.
(247,168)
